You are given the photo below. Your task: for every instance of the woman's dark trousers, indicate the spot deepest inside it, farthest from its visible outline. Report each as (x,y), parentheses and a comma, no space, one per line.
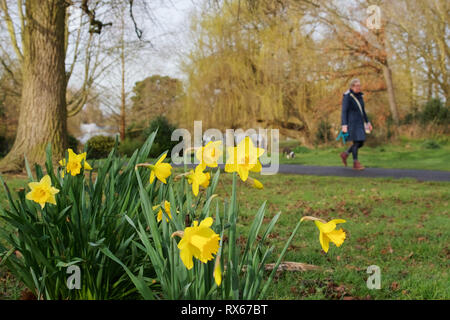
(354,149)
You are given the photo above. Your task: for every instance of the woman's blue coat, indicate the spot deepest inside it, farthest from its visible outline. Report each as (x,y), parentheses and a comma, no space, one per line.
(352,117)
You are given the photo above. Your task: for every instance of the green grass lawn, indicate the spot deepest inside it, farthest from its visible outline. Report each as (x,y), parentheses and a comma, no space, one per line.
(405,154)
(399,225)
(414,154)
(402,226)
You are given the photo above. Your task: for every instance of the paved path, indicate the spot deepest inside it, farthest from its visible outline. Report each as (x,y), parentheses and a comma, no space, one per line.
(421,175)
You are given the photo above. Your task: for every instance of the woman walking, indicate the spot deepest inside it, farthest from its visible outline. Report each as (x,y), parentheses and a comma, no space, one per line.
(355,122)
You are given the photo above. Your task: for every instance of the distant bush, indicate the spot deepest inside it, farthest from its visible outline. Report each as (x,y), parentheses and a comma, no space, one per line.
(431,144)
(129,145)
(323,134)
(162,140)
(433,111)
(72,143)
(99,147)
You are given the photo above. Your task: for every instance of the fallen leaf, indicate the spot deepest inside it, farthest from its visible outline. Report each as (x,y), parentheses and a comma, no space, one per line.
(394,285)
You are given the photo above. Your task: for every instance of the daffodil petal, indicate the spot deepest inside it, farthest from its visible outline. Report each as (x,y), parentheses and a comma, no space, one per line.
(325,227)
(207,222)
(336,221)
(324,242)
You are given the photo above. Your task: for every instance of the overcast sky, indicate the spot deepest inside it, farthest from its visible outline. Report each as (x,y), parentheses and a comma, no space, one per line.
(168,33)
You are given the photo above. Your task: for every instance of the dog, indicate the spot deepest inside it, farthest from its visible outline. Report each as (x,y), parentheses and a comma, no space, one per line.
(289,153)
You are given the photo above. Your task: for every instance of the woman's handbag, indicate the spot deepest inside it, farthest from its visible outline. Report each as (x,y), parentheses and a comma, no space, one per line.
(366,124)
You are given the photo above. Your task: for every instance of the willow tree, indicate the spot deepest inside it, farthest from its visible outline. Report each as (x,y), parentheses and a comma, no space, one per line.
(40,47)
(253,65)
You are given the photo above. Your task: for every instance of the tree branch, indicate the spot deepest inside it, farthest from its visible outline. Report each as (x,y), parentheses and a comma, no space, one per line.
(11,30)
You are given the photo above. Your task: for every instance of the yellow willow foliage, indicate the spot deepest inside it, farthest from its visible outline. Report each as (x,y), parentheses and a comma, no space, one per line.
(258,68)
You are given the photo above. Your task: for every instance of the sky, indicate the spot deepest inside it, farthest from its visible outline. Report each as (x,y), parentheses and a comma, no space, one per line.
(169,35)
(165,25)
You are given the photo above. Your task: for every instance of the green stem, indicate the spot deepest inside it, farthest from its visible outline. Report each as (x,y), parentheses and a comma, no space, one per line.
(280,258)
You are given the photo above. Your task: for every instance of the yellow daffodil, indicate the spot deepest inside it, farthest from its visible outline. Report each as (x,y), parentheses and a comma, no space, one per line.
(328,232)
(42,191)
(244,158)
(209,154)
(73,164)
(199,242)
(160,170)
(160,213)
(198,178)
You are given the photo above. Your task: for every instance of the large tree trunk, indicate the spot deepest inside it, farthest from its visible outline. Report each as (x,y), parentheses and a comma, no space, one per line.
(391,92)
(42,118)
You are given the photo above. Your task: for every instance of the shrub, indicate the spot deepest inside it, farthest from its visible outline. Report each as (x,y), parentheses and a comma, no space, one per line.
(323,134)
(431,144)
(162,141)
(128,146)
(98,147)
(72,142)
(434,110)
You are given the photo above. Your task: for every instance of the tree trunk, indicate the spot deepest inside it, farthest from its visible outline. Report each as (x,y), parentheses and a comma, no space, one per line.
(42,117)
(391,92)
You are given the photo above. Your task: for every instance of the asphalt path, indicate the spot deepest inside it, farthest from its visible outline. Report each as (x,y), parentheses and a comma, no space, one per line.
(420,175)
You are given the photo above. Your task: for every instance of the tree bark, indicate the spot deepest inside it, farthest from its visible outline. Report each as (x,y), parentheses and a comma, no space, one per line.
(391,92)
(42,117)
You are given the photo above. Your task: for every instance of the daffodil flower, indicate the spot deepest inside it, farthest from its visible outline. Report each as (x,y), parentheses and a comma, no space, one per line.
(160,213)
(209,154)
(244,158)
(42,191)
(198,178)
(160,170)
(328,232)
(199,242)
(73,164)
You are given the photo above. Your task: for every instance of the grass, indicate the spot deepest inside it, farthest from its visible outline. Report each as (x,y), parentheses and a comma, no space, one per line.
(406,154)
(399,225)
